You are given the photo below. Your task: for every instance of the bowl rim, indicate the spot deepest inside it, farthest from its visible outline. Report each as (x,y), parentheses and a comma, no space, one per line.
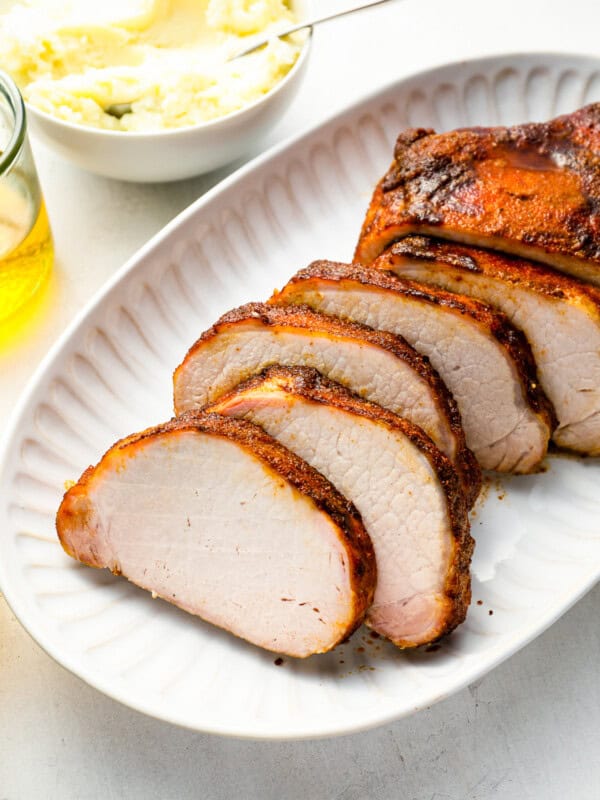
(173,133)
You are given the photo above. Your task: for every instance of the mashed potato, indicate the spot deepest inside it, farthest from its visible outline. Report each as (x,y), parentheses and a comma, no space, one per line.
(164,58)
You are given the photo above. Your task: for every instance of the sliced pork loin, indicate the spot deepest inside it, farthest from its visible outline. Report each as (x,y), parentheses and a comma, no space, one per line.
(559,315)
(377,366)
(407,492)
(483,360)
(532,190)
(218,518)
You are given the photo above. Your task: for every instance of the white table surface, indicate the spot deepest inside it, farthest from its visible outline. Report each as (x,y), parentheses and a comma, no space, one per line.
(528,730)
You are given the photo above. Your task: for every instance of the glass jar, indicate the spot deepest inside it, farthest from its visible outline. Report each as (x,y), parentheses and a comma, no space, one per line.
(26,252)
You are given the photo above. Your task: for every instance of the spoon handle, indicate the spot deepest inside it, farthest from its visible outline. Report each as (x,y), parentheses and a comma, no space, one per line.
(308,23)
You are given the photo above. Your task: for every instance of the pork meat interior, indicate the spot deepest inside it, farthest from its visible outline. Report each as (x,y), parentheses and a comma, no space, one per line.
(407,492)
(218,518)
(377,366)
(559,315)
(484,361)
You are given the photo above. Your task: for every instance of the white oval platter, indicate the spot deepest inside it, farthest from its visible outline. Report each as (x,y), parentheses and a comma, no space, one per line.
(538,537)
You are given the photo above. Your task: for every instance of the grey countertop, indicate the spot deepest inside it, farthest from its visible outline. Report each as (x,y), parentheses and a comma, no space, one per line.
(528,731)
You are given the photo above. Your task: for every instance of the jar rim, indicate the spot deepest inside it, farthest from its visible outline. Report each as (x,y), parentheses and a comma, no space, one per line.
(10,92)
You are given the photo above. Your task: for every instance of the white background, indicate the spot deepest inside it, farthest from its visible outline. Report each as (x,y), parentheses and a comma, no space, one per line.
(530,729)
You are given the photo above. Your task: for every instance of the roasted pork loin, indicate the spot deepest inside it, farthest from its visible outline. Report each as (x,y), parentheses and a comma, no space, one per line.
(484,361)
(532,190)
(407,492)
(375,365)
(559,315)
(218,518)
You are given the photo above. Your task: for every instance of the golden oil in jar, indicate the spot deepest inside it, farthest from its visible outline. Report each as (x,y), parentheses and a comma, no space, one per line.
(26,252)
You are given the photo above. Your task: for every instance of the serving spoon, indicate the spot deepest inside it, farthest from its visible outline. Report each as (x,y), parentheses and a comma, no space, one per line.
(261,41)
(119,110)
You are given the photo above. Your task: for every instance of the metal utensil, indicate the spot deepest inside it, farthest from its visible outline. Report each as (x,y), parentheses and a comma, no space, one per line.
(308,23)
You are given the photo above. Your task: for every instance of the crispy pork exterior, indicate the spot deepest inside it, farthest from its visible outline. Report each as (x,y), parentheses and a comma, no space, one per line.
(484,361)
(559,315)
(531,190)
(376,365)
(218,518)
(407,492)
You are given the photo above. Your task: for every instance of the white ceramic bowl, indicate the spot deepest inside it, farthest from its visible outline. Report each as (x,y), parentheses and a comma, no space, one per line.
(174,154)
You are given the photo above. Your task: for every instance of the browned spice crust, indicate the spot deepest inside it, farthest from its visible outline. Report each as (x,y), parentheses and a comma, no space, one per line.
(525,274)
(494,322)
(275,313)
(534,186)
(294,470)
(309,384)
(74,511)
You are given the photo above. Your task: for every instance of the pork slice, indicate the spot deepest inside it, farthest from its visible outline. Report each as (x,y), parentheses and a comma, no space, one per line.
(482,359)
(219,519)
(376,365)
(532,190)
(559,315)
(407,492)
